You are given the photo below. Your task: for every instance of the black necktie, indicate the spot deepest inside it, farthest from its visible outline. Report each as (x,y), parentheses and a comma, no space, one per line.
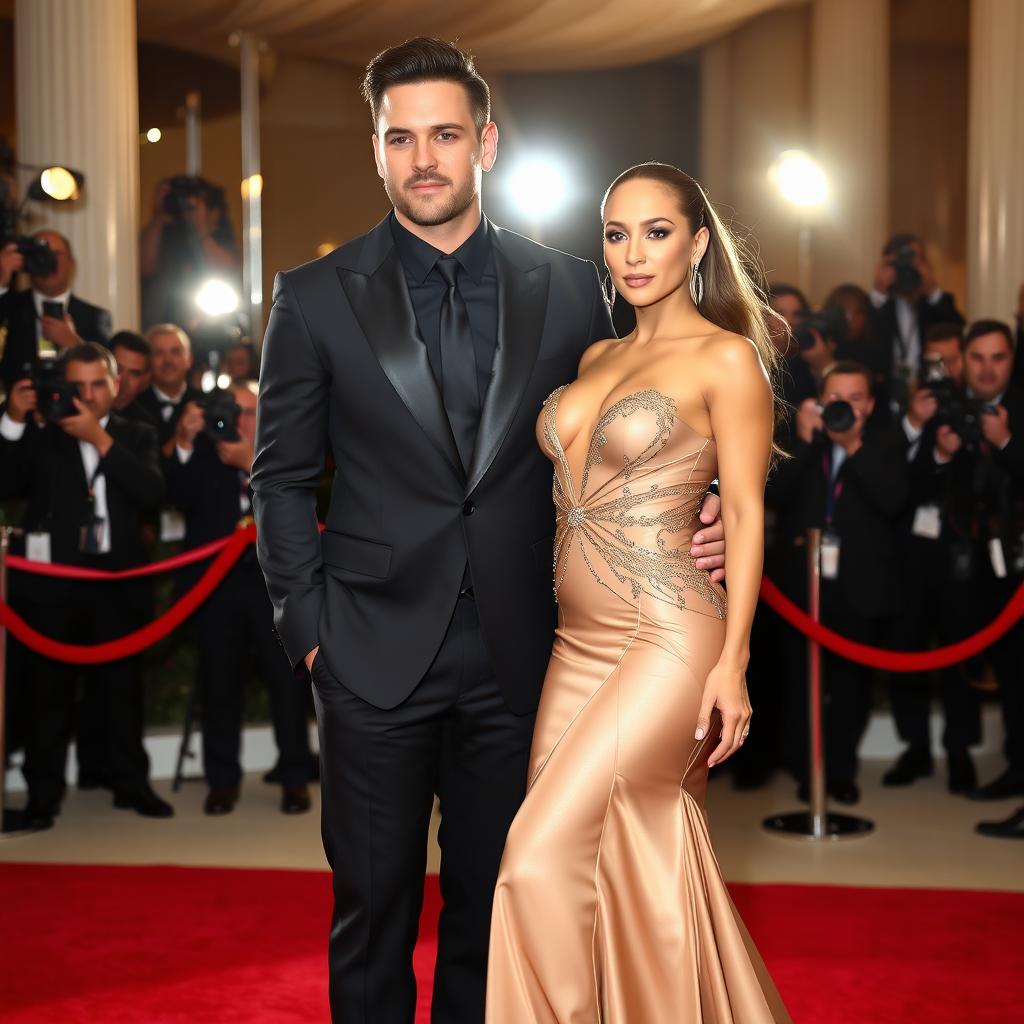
(458,364)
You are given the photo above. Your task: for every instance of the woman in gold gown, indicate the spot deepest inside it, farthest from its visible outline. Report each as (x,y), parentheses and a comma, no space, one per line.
(610,907)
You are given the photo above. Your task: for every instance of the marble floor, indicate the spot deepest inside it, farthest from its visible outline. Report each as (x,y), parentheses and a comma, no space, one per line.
(923,836)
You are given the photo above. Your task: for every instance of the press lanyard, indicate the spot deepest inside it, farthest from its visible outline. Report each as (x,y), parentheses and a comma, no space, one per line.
(833,488)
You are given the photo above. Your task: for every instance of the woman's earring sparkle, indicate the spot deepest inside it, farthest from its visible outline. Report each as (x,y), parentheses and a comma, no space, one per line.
(696,284)
(608,290)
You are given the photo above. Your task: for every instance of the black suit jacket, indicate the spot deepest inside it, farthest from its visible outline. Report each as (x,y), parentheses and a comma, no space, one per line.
(18,312)
(207,493)
(147,401)
(887,327)
(343,365)
(874,493)
(45,467)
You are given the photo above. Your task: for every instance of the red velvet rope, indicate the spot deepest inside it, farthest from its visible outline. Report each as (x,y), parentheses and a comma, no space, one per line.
(231,547)
(76,572)
(895,661)
(111,650)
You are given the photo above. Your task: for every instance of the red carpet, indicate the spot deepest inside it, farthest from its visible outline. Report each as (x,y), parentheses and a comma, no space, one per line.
(154,945)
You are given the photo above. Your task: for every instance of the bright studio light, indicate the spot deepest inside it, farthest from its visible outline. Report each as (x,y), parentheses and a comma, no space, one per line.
(216,298)
(800,179)
(539,186)
(154,135)
(58,183)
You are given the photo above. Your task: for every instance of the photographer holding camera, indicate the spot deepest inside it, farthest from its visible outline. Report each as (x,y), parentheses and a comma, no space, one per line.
(47,319)
(187,239)
(88,475)
(851,483)
(907,301)
(169,391)
(208,479)
(935,597)
(970,466)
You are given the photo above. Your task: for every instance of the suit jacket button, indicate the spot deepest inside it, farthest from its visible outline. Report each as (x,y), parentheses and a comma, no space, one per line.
(468,508)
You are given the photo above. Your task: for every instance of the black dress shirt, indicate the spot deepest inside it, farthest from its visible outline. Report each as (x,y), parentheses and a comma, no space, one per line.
(477,284)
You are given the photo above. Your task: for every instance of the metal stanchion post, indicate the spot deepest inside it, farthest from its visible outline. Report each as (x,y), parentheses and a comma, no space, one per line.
(12,823)
(818,822)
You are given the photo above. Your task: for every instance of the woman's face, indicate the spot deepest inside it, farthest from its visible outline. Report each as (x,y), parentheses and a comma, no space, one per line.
(648,247)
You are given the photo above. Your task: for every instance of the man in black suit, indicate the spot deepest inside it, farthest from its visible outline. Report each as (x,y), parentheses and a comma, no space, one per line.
(421,353)
(985,470)
(32,332)
(907,301)
(852,484)
(208,480)
(131,352)
(87,478)
(169,391)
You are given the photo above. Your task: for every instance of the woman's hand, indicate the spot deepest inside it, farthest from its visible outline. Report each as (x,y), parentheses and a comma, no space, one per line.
(725,689)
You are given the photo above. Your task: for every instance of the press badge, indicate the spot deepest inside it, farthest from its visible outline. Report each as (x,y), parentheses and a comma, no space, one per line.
(830,556)
(927,522)
(172,525)
(997,558)
(91,535)
(37,547)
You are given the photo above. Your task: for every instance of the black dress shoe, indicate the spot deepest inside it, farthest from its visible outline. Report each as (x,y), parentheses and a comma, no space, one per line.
(39,815)
(144,802)
(221,800)
(844,791)
(86,780)
(1006,785)
(912,764)
(1011,828)
(295,800)
(274,777)
(962,776)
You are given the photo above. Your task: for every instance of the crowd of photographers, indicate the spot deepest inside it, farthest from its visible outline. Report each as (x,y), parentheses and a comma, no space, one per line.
(906,442)
(906,448)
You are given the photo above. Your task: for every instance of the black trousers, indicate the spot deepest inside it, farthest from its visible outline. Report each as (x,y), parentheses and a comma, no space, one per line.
(94,612)
(939,608)
(236,621)
(454,736)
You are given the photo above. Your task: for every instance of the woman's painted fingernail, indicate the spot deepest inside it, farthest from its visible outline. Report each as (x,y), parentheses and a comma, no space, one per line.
(699,734)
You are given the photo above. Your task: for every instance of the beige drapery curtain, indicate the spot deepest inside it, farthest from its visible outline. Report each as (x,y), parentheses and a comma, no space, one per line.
(504,35)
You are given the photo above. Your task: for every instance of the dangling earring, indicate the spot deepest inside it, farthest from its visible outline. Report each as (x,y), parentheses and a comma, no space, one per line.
(696,284)
(608,290)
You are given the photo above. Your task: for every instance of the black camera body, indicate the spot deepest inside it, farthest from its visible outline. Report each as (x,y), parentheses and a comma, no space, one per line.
(908,277)
(39,260)
(220,415)
(829,323)
(54,394)
(955,410)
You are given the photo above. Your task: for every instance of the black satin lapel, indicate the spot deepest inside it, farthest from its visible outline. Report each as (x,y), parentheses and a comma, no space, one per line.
(384,310)
(522,306)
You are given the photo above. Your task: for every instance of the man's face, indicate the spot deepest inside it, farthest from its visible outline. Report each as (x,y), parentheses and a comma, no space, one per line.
(132,375)
(852,388)
(171,361)
(59,281)
(236,363)
(948,350)
(247,417)
(96,389)
(428,153)
(988,363)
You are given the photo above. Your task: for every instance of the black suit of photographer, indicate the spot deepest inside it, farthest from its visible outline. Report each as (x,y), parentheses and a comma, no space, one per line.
(166,415)
(18,312)
(869,492)
(235,620)
(981,494)
(45,467)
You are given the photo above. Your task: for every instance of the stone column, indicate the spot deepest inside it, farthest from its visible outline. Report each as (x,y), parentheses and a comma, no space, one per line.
(76,87)
(850,137)
(995,167)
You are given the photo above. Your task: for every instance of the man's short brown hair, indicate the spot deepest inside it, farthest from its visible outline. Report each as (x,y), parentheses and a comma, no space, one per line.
(91,352)
(850,367)
(425,59)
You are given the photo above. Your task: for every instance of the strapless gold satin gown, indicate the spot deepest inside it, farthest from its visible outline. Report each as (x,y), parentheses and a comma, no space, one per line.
(610,907)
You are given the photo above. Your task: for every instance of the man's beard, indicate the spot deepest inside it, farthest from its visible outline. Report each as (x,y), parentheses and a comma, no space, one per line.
(457,203)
